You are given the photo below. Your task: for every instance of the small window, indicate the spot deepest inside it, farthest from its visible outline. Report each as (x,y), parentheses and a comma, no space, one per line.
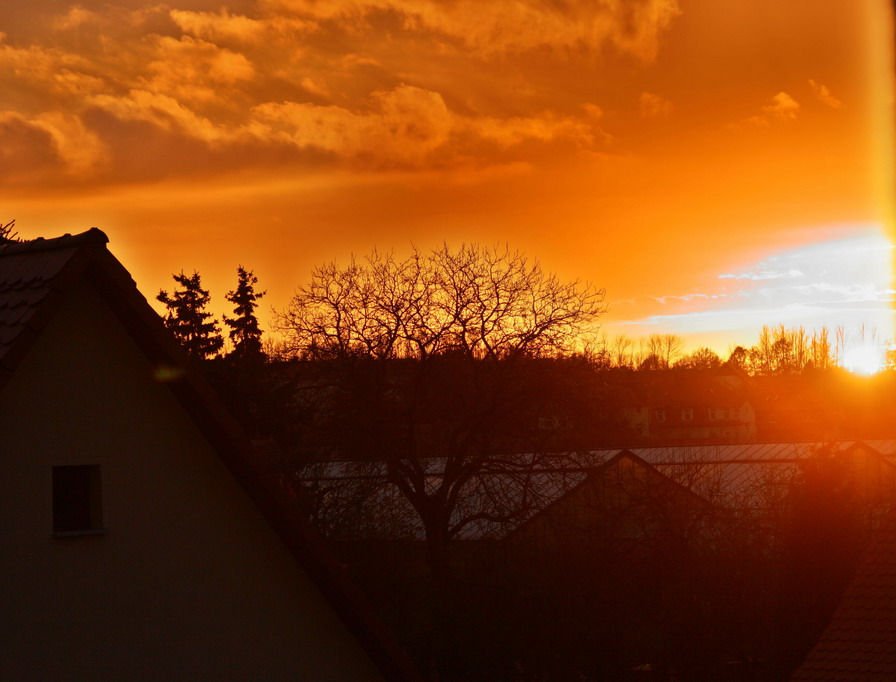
(659,415)
(687,414)
(77,500)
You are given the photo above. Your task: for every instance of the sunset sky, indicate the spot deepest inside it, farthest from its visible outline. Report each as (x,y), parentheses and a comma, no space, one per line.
(716,165)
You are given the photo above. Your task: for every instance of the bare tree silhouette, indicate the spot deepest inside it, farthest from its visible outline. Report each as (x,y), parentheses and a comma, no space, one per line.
(428,351)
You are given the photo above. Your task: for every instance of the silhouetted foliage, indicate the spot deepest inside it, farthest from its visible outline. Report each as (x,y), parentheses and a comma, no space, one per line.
(196,330)
(424,357)
(244,330)
(8,233)
(780,350)
(702,358)
(824,536)
(738,358)
(662,351)
(476,302)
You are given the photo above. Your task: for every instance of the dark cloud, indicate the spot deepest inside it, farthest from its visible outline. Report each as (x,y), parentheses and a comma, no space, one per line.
(28,152)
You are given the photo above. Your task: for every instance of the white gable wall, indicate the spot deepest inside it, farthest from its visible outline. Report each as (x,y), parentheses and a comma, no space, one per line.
(190,582)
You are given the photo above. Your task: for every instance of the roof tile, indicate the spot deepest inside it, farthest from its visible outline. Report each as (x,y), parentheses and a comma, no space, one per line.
(860,641)
(28,271)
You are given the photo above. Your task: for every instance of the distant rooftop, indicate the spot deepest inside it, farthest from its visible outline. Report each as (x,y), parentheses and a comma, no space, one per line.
(745,476)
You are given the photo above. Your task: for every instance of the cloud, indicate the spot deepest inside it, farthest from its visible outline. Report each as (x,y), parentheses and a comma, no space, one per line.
(79,149)
(686,298)
(824,95)
(545,127)
(633,27)
(764,275)
(781,108)
(28,149)
(653,106)
(76,17)
(215,26)
(845,282)
(856,292)
(405,126)
(52,144)
(45,71)
(301,81)
(161,110)
(193,69)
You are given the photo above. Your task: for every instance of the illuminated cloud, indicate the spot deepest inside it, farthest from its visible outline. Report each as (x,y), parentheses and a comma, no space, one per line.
(844,282)
(79,149)
(162,111)
(217,26)
(782,107)
(76,17)
(633,27)
(764,274)
(687,298)
(28,149)
(290,82)
(45,73)
(404,126)
(546,123)
(824,95)
(186,58)
(651,105)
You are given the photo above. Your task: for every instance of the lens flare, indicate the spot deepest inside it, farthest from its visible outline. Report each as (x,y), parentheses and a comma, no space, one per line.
(865,359)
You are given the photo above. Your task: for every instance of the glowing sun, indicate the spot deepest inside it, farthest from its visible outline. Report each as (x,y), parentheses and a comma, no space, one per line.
(863,359)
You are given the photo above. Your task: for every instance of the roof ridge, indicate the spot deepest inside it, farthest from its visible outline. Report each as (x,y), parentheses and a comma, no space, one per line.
(92,236)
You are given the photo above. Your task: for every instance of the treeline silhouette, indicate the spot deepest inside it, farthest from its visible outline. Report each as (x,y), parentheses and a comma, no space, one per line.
(778,350)
(423,345)
(436,370)
(199,332)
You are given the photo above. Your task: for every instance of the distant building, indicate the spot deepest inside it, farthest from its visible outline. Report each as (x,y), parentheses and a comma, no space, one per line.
(688,406)
(357,500)
(141,538)
(623,499)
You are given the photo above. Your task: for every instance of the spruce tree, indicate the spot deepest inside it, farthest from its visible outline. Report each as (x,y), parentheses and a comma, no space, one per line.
(196,329)
(244,331)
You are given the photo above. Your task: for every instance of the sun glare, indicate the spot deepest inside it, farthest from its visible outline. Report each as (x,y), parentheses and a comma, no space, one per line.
(864,359)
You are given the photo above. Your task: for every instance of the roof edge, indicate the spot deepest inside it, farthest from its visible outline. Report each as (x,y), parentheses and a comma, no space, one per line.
(92,236)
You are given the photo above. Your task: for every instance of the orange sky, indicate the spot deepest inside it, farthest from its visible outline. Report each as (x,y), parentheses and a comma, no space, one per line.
(716,165)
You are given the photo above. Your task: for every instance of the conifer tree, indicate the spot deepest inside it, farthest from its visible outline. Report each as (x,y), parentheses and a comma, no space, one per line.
(196,329)
(244,331)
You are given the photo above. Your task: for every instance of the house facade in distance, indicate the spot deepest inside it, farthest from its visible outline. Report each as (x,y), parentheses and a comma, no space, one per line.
(140,539)
(708,406)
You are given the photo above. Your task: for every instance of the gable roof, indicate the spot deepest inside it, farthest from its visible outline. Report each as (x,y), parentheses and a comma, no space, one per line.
(741,476)
(34,279)
(594,473)
(859,644)
(31,278)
